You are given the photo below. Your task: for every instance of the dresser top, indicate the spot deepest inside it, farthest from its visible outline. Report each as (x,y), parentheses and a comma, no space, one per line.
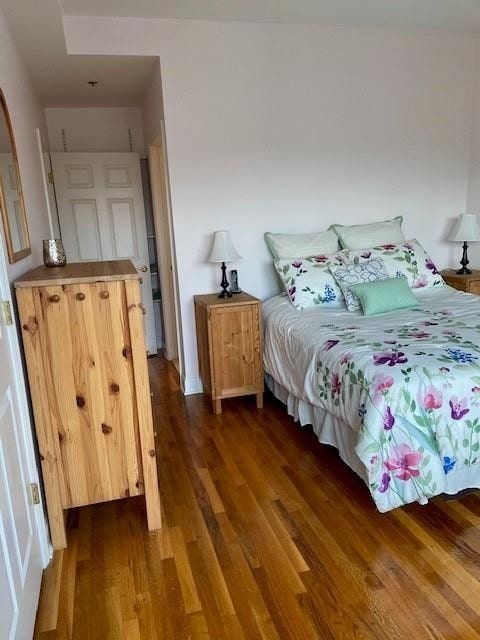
(80,272)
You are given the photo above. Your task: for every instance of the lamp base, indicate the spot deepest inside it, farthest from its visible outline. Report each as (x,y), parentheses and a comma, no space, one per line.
(224,284)
(464,261)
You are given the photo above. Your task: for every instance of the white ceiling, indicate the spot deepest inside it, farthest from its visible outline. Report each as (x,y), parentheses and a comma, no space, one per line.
(61,80)
(422,14)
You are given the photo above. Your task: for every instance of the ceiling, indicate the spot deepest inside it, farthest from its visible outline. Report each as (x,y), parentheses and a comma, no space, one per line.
(421,14)
(61,80)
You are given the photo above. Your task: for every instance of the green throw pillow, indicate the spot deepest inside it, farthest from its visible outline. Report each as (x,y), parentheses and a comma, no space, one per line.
(384,295)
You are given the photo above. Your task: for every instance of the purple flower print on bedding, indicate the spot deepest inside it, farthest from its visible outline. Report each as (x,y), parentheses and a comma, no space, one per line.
(384,483)
(388,420)
(430,265)
(329,344)
(458,408)
(390,358)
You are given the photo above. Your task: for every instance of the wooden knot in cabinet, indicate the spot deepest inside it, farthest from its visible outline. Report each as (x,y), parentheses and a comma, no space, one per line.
(106,429)
(31,325)
(114,388)
(81,402)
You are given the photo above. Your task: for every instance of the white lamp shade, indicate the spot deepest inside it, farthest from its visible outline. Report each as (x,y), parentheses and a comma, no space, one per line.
(465,229)
(223,249)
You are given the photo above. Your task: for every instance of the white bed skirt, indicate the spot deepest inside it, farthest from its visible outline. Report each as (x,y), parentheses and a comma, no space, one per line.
(328,428)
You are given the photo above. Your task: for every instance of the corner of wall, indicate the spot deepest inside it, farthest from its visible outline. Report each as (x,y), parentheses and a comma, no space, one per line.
(191,386)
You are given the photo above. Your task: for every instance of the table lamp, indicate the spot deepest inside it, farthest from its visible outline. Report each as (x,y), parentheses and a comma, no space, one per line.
(223,251)
(466,229)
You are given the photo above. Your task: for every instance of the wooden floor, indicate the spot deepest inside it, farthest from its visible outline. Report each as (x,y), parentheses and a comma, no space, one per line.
(266,535)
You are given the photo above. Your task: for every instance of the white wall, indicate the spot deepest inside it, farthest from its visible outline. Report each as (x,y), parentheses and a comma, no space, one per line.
(473,195)
(290,128)
(25,114)
(95,129)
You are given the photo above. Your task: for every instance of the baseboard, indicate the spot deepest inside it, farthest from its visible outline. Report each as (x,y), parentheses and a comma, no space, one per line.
(191,386)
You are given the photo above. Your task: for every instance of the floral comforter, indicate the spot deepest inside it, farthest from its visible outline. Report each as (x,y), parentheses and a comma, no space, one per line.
(408,382)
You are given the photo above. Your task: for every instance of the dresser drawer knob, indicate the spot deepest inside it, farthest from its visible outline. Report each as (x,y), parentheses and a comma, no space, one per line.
(54,298)
(104,294)
(80,296)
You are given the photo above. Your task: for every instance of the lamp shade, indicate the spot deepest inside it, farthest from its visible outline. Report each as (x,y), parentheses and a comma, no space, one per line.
(466,228)
(223,249)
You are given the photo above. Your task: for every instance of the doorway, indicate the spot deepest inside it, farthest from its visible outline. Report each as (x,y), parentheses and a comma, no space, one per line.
(165,247)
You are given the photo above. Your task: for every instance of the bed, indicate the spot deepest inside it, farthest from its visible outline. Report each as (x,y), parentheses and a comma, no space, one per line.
(398,394)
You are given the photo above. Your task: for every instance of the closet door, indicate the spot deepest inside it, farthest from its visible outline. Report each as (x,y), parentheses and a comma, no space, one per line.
(102,215)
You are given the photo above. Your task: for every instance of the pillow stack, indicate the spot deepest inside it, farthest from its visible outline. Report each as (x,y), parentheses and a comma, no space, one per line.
(375,270)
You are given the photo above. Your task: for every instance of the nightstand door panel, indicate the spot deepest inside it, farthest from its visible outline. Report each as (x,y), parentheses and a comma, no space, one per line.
(474,287)
(236,350)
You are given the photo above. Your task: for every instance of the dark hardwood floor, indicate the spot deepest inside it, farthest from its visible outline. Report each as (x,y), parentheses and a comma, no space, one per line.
(267,534)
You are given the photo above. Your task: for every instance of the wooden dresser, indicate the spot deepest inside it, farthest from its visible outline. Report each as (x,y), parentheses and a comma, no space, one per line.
(469,282)
(229,338)
(83,336)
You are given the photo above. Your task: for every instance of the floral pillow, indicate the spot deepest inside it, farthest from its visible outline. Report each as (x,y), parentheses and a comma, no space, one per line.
(308,281)
(348,275)
(407,259)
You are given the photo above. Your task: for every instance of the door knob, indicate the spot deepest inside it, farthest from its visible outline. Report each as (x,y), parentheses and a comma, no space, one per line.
(143,269)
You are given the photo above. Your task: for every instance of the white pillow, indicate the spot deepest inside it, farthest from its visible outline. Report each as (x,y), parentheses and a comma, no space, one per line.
(308,281)
(369,235)
(301,245)
(407,259)
(349,274)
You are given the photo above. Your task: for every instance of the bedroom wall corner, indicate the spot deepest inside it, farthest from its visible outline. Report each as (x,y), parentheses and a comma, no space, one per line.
(26,114)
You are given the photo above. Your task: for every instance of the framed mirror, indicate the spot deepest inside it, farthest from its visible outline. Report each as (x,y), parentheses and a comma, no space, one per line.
(11,197)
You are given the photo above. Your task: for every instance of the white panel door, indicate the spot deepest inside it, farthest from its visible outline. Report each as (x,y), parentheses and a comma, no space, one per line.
(22,526)
(102,215)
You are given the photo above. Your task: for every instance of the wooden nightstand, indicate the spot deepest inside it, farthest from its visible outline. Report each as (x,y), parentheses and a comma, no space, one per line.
(470,283)
(229,339)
